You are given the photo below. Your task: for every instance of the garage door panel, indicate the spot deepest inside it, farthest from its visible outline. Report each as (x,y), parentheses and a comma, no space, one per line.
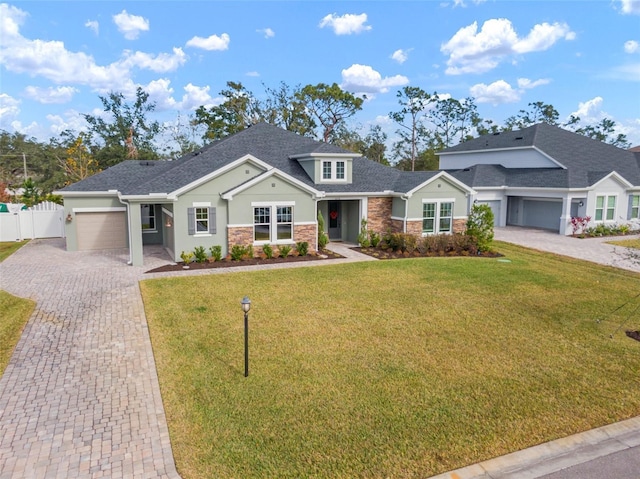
(104,230)
(542,214)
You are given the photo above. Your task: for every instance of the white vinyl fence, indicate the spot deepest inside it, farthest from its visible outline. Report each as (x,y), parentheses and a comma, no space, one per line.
(44,220)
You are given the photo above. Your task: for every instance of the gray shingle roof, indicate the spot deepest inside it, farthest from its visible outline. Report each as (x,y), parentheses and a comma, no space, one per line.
(586,160)
(268,143)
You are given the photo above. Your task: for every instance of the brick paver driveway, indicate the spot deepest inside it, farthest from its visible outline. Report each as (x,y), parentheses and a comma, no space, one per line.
(80,397)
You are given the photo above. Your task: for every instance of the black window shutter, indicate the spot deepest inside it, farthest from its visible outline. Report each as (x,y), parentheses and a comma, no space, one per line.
(191,215)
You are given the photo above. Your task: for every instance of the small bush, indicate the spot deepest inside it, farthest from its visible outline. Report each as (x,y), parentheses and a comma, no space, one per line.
(480,226)
(374,238)
(284,250)
(248,251)
(200,253)
(238,252)
(363,237)
(186,257)
(216,252)
(303,248)
(323,238)
(268,251)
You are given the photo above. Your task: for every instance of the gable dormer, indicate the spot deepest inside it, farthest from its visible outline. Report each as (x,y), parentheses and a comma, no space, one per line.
(328,168)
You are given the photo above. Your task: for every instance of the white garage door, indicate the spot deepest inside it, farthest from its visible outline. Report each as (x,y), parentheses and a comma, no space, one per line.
(105,230)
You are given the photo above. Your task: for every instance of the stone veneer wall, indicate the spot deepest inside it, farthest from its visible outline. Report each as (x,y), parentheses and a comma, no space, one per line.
(243,235)
(459,225)
(414,228)
(379,214)
(396,226)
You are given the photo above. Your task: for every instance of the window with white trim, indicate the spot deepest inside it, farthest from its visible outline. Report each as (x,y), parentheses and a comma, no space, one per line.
(273,224)
(605,208)
(148,217)
(334,170)
(201,220)
(437,217)
(635,207)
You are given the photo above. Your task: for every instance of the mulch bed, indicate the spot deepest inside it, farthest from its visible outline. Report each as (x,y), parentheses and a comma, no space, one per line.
(228,263)
(390,254)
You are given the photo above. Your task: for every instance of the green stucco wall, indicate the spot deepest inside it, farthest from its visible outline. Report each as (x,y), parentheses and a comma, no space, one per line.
(84,202)
(436,190)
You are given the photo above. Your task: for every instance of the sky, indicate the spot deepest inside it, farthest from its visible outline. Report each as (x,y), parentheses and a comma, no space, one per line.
(58,57)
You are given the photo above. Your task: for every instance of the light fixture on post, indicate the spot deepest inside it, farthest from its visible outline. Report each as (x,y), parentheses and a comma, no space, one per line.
(580,204)
(246,306)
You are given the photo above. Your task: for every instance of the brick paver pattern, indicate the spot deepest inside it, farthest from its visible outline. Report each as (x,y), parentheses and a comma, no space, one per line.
(80,396)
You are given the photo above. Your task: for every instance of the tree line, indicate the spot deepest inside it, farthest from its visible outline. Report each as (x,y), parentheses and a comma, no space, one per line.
(424,124)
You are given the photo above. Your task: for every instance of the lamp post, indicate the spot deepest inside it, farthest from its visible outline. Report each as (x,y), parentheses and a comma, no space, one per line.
(246,306)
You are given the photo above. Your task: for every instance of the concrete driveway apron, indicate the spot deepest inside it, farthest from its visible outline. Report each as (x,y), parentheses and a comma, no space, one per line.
(80,397)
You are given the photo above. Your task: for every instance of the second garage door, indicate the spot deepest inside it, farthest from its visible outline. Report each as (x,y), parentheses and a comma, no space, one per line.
(542,214)
(103,230)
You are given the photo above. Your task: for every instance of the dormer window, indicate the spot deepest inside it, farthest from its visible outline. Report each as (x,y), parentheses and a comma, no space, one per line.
(333,170)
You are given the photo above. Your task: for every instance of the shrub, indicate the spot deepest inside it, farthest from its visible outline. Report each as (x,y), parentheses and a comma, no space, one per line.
(238,252)
(363,237)
(480,226)
(303,248)
(402,242)
(186,257)
(248,251)
(579,224)
(268,251)
(216,252)
(200,254)
(284,250)
(374,238)
(323,239)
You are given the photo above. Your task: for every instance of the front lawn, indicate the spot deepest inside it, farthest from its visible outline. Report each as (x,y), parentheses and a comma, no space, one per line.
(14,314)
(403,368)
(7,248)
(629,243)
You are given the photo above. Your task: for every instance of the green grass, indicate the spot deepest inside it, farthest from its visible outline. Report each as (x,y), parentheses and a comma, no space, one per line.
(14,314)
(629,243)
(403,368)
(9,247)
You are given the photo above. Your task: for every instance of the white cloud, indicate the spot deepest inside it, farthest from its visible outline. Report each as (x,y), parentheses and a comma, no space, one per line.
(160,63)
(400,55)
(9,109)
(526,84)
(73,120)
(346,24)
(213,42)
(252,74)
(50,95)
(496,93)
(267,32)
(130,25)
(630,7)
(590,110)
(161,93)
(473,51)
(195,96)
(362,79)
(631,46)
(93,25)
(10,20)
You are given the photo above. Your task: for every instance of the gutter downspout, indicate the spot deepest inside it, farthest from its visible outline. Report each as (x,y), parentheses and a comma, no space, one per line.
(130,262)
(405,198)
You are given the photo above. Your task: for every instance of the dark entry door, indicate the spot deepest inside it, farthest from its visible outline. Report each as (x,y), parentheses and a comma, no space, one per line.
(335,221)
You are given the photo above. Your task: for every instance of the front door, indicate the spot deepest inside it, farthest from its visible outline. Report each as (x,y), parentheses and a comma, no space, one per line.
(335,221)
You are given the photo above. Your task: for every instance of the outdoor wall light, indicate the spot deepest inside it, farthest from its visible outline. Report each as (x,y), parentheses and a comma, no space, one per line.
(246,306)
(69,218)
(581,204)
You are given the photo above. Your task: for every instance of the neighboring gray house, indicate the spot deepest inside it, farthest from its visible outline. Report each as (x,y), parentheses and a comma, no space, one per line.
(261,186)
(542,176)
